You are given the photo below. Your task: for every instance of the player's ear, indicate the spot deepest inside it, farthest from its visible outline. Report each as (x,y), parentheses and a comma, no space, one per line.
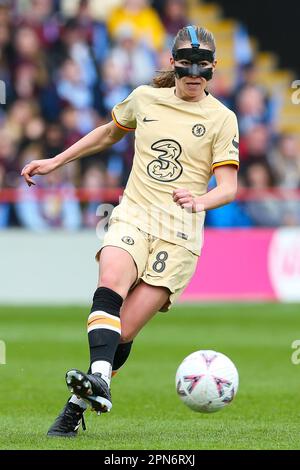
(172,61)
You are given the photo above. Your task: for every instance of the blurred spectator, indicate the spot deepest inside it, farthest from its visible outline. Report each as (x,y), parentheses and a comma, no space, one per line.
(114,87)
(143,19)
(100,10)
(8,155)
(114,90)
(70,118)
(51,211)
(39,15)
(254,146)
(28,51)
(34,130)
(174,17)
(259,176)
(5,11)
(20,112)
(285,161)
(251,108)
(25,81)
(72,88)
(115,169)
(53,140)
(77,39)
(86,35)
(163,59)
(134,60)
(247,75)
(93,179)
(220,86)
(267,211)
(265,108)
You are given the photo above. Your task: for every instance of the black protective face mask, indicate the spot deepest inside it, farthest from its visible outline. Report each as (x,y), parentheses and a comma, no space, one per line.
(194,56)
(194,70)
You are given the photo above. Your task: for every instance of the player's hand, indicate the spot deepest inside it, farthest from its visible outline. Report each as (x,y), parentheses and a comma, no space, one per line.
(37,167)
(187,201)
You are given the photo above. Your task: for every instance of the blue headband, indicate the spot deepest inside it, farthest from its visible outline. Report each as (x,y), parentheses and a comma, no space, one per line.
(193,36)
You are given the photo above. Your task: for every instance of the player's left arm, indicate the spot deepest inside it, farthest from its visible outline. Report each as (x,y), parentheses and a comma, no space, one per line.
(223,193)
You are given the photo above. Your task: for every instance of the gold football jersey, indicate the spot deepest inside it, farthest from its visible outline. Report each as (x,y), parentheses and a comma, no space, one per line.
(177,145)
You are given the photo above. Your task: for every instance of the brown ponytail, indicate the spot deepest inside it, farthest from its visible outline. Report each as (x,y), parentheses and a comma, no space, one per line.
(166,78)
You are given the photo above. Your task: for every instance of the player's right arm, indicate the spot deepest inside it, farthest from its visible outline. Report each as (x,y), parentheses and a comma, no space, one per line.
(98,140)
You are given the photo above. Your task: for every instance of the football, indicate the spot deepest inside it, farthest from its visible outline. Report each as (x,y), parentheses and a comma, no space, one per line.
(206,381)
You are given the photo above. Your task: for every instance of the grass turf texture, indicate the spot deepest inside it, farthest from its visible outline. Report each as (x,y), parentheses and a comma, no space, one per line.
(147,414)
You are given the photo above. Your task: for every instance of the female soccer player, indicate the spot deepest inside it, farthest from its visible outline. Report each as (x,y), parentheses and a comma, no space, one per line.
(182,135)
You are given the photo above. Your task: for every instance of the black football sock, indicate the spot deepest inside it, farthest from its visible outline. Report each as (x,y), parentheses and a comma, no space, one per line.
(121,355)
(104,330)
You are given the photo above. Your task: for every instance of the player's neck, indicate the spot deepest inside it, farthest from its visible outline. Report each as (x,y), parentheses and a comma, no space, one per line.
(186,97)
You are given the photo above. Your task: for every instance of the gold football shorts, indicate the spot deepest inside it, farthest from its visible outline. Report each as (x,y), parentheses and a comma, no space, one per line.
(158,262)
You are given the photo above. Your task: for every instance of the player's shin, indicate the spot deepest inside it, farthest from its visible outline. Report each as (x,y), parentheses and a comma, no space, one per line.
(104,330)
(121,356)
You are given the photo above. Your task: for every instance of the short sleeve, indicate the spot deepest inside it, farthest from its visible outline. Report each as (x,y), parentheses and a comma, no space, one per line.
(226,145)
(124,113)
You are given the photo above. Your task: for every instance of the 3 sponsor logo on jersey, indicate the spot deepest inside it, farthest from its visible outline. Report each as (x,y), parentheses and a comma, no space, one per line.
(166,166)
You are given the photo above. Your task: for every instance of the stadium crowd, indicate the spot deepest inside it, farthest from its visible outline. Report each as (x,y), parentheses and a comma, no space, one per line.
(66,63)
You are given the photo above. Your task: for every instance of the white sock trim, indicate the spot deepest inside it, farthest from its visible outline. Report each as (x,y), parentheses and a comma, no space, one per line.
(103,368)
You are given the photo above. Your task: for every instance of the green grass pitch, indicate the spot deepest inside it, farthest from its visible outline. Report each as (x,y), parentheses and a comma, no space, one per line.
(42,343)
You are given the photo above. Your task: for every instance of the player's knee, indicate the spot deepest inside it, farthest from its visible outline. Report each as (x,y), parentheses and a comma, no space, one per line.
(115,282)
(126,336)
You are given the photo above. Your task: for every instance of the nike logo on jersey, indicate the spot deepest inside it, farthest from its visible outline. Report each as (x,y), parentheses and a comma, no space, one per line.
(235,143)
(149,120)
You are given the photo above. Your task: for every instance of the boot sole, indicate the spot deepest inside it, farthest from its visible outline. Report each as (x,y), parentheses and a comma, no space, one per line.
(80,385)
